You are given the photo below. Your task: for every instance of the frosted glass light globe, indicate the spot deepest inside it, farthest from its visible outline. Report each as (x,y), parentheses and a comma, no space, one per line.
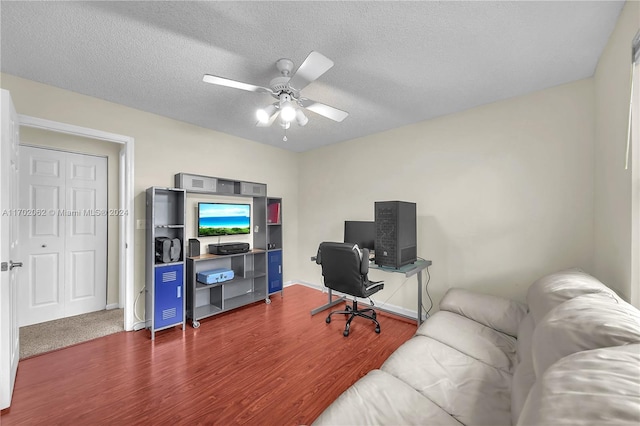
(287,111)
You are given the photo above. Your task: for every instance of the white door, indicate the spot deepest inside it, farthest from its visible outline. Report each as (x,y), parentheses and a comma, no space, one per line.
(42,192)
(9,333)
(64,235)
(86,235)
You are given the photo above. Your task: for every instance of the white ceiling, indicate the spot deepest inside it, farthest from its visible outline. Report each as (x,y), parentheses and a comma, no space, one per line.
(396,63)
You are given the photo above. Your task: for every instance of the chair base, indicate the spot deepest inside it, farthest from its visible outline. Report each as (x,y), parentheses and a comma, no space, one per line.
(352,312)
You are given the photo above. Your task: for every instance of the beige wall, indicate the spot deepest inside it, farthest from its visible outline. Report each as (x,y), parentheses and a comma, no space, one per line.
(613,220)
(164,147)
(504,192)
(59,141)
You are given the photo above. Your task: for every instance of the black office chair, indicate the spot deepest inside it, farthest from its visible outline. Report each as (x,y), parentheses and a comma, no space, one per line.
(345,268)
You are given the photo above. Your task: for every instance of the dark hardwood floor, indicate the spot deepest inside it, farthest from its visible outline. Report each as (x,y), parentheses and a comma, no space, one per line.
(263,364)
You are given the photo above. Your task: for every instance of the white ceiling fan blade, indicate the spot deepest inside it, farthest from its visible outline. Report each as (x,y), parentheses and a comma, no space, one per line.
(220,81)
(313,67)
(324,110)
(270,122)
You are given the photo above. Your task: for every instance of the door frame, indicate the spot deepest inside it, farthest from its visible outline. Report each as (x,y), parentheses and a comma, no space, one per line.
(125,184)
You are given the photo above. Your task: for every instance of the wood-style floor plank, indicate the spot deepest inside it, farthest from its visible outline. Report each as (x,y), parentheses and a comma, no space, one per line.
(262,364)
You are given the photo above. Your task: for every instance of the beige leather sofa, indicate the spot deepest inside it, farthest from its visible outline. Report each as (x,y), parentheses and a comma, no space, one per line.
(571,357)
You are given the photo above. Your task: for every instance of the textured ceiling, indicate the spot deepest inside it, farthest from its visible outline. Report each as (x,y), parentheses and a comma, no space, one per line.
(396,63)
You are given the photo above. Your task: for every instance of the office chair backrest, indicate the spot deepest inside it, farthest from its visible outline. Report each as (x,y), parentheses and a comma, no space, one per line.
(344,268)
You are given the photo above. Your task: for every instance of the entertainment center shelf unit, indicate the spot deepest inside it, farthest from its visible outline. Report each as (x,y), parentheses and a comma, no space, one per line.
(247,286)
(257,273)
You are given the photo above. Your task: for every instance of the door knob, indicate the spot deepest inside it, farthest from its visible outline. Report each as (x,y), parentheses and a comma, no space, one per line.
(13,264)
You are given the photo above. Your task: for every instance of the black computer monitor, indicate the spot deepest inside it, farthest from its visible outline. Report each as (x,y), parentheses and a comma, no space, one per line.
(361,233)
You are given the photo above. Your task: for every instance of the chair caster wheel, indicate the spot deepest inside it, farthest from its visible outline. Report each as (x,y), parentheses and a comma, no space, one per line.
(328,320)
(345,333)
(378,330)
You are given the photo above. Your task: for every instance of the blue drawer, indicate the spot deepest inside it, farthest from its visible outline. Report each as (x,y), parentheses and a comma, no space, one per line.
(169,294)
(275,271)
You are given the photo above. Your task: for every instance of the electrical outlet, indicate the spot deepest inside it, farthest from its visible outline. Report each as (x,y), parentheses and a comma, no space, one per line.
(141,224)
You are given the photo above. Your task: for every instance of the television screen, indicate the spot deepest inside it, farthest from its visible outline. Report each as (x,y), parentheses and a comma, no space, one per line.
(361,233)
(216,219)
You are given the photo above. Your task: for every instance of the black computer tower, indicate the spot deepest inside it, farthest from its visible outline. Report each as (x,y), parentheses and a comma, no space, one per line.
(395,244)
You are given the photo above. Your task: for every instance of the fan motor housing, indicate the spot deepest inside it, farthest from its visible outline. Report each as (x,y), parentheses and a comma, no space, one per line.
(280,84)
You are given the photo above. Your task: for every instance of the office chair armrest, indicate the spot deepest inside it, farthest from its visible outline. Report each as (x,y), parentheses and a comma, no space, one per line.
(373,284)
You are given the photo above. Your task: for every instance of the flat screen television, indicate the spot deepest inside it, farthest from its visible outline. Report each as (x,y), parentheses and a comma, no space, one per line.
(215,219)
(361,233)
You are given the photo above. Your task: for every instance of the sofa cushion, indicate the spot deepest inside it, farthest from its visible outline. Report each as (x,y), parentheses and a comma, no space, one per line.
(471,391)
(596,387)
(524,375)
(549,291)
(525,335)
(495,312)
(524,378)
(471,338)
(585,322)
(379,398)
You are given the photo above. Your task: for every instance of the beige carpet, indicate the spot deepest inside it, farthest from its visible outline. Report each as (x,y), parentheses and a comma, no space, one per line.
(47,336)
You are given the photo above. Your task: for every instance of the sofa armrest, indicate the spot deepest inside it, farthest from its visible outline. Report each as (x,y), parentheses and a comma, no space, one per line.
(501,314)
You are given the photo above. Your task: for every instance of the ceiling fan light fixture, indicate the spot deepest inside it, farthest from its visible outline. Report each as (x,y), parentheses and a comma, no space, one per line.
(287,111)
(286,90)
(285,124)
(264,114)
(301,118)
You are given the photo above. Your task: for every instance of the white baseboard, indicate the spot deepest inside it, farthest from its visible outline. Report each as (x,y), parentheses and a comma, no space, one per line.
(387,306)
(306,284)
(138,326)
(112,306)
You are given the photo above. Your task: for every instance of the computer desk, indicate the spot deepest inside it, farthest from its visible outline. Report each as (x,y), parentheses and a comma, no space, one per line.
(409,270)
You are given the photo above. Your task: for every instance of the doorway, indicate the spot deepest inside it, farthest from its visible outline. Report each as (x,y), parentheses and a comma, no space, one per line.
(125,145)
(64,233)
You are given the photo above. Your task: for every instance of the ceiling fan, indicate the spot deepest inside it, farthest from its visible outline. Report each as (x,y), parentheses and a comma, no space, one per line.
(286,89)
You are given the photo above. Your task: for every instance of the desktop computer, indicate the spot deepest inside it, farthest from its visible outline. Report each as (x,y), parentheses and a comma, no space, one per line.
(396,239)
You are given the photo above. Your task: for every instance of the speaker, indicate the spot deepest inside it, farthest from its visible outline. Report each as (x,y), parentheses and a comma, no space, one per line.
(395,243)
(168,249)
(194,247)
